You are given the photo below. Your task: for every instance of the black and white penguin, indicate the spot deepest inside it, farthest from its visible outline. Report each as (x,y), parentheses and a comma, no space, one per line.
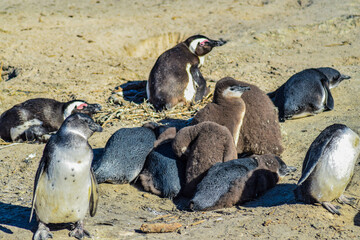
(34,119)
(65,187)
(328,167)
(175,77)
(306,93)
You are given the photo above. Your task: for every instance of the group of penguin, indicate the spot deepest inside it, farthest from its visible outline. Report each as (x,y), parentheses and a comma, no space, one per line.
(227,154)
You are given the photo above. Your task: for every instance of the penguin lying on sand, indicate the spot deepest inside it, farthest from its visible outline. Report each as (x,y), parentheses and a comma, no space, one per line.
(65,187)
(307,93)
(328,167)
(124,155)
(34,119)
(175,77)
(238,181)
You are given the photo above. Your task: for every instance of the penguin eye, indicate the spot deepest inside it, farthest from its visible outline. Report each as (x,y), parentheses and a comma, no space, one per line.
(202,44)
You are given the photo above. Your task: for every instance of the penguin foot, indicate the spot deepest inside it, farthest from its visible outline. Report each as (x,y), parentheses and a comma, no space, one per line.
(347,200)
(42,233)
(79,232)
(331,208)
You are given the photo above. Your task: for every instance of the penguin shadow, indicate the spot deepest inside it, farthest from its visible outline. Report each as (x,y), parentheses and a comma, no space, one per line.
(357,219)
(279,195)
(16,216)
(133,91)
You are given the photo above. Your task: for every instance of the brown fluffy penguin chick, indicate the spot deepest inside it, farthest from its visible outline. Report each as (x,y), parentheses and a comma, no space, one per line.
(227,107)
(202,146)
(259,131)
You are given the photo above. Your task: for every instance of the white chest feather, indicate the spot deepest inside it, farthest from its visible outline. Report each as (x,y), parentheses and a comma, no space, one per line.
(335,169)
(238,127)
(190,89)
(201,60)
(63,195)
(15,132)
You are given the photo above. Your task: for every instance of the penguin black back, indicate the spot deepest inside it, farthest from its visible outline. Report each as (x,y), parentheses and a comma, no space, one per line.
(175,77)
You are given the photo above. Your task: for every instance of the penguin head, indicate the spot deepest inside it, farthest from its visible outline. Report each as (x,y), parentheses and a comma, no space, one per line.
(80,124)
(80,106)
(334,76)
(228,89)
(201,45)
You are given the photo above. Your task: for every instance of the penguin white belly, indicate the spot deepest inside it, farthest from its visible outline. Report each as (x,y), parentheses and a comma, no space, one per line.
(335,169)
(190,90)
(63,196)
(15,132)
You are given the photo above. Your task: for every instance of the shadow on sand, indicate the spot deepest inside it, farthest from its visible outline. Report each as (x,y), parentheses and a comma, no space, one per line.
(279,195)
(16,216)
(133,91)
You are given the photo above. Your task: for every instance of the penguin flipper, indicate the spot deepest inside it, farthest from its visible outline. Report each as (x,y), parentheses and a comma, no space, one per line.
(94,196)
(200,83)
(314,155)
(329,100)
(39,173)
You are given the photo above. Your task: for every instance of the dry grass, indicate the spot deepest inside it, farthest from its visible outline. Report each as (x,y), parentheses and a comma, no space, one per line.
(137,114)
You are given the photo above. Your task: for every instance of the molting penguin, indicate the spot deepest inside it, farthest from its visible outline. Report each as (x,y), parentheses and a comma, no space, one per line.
(175,77)
(163,173)
(124,155)
(65,187)
(34,119)
(252,119)
(227,107)
(328,167)
(201,146)
(306,93)
(238,181)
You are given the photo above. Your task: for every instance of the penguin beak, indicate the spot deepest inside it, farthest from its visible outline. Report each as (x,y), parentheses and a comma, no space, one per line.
(93,108)
(219,43)
(342,77)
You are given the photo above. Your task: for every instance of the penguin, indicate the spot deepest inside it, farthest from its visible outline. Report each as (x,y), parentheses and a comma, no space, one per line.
(227,108)
(65,187)
(124,155)
(35,119)
(176,78)
(163,173)
(250,116)
(306,93)
(328,167)
(238,181)
(201,146)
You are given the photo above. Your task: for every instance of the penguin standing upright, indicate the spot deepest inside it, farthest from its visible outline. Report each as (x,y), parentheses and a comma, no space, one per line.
(328,167)
(65,187)
(175,77)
